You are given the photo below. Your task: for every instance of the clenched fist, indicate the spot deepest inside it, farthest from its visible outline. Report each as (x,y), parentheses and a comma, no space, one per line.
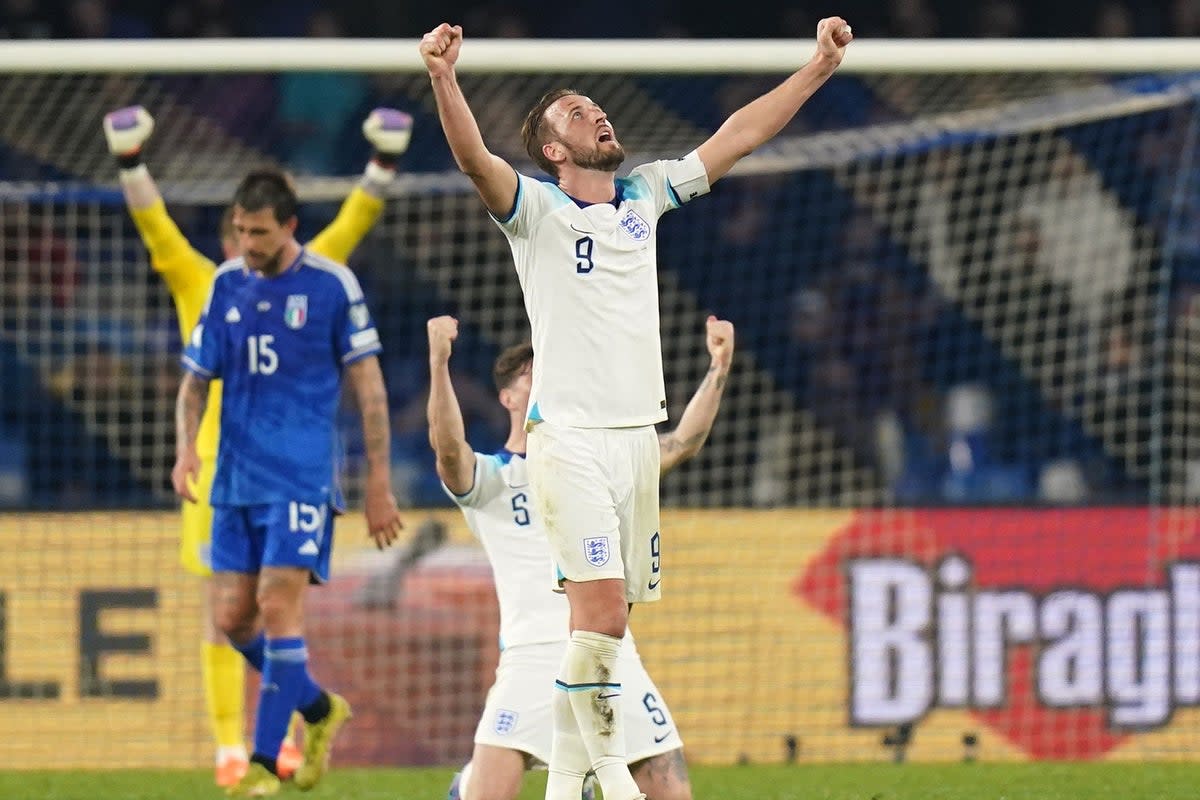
(440,47)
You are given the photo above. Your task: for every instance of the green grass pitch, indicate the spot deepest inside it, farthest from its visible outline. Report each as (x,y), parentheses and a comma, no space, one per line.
(838,782)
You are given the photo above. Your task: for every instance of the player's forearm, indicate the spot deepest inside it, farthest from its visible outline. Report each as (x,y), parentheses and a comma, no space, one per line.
(189,410)
(375,180)
(761,119)
(460,127)
(447,432)
(696,423)
(139,187)
(371,395)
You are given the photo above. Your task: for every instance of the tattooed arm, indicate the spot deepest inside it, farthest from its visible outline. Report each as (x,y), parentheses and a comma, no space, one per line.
(690,434)
(664,775)
(366,381)
(189,410)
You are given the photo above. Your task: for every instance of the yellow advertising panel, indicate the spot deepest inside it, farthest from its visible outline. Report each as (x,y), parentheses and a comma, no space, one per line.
(928,635)
(100,625)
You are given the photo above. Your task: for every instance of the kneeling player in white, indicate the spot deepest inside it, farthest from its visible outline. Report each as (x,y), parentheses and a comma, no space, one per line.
(517,729)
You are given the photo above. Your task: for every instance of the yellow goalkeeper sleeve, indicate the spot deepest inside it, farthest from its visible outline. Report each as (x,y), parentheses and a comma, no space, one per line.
(354,219)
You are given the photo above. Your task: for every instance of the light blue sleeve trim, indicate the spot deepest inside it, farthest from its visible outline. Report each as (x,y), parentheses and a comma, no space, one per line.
(672,195)
(516,206)
(466,499)
(635,187)
(474,483)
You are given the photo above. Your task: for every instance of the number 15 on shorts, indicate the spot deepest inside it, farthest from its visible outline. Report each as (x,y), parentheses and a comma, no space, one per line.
(305,518)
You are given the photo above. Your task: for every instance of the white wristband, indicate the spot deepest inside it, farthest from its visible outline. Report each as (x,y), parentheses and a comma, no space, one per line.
(377,174)
(134,174)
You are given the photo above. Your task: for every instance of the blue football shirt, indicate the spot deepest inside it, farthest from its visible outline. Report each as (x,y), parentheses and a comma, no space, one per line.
(279,344)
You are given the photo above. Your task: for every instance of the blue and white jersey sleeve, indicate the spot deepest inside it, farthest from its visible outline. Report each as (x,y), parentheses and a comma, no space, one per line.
(486,483)
(675,182)
(205,347)
(534,201)
(356,335)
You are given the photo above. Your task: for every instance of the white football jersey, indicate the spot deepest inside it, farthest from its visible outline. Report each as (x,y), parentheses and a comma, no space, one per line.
(499,510)
(589,273)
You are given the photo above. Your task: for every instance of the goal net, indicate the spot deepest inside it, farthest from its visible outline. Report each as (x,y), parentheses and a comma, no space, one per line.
(947,510)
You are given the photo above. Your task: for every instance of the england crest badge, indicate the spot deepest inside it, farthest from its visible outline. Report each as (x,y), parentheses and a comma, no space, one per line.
(295,313)
(595,550)
(634,226)
(505,721)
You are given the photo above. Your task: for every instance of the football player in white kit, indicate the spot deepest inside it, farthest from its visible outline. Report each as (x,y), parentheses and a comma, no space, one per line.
(584,248)
(493,491)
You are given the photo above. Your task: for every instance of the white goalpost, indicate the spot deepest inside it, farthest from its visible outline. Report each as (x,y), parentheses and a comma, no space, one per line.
(952,489)
(688,56)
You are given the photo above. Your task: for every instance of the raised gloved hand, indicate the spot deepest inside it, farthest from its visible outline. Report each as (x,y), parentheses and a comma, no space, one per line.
(127,129)
(388,130)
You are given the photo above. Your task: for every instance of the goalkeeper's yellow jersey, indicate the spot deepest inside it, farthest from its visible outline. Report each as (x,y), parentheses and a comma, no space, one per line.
(189,274)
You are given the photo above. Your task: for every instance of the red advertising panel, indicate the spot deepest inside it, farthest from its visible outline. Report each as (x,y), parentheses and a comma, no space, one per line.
(1063,631)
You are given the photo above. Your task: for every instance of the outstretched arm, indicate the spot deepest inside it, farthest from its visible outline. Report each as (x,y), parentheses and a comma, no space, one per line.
(186,271)
(447,434)
(494,178)
(389,132)
(690,434)
(189,410)
(366,381)
(126,131)
(755,123)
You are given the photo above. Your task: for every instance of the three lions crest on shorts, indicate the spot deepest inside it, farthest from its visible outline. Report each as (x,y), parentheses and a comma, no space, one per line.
(505,721)
(595,550)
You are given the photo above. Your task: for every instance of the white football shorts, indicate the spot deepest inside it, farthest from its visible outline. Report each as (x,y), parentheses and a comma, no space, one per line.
(596,492)
(519,713)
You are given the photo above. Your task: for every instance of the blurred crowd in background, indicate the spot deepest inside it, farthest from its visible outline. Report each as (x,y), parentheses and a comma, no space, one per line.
(89,19)
(907,334)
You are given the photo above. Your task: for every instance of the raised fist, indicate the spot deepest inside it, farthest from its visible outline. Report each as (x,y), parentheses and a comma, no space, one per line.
(388,130)
(719,339)
(127,129)
(442,333)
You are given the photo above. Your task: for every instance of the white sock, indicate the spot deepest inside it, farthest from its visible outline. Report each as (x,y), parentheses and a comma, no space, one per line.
(463,777)
(589,673)
(569,761)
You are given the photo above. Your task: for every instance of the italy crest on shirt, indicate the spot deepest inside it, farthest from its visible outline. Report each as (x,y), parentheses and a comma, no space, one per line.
(296,311)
